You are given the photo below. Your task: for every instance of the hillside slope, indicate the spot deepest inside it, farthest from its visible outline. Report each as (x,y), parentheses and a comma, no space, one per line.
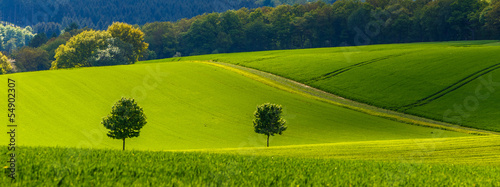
(189,105)
(455,82)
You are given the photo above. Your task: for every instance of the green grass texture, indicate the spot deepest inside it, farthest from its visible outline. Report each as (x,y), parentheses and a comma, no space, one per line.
(382,163)
(189,105)
(455,82)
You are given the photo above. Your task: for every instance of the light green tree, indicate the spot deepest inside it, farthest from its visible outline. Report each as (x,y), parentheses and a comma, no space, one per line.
(128,34)
(77,52)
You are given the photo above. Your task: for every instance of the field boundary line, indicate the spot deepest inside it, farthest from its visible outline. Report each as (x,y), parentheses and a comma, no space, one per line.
(320,95)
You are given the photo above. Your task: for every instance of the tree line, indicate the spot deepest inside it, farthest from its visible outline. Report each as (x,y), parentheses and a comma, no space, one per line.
(99,14)
(121,43)
(13,37)
(317,24)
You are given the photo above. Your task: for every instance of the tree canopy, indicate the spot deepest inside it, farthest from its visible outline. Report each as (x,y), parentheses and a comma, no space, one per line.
(83,12)
(13,37)
(318,24)
(268,120)
(5,64)
(130,35)
(307,25)
(125,121)
(80,48)
(120,44)
(32,59)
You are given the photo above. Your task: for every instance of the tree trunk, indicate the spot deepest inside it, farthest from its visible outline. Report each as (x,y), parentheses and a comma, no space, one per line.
(268,140)
(124,144)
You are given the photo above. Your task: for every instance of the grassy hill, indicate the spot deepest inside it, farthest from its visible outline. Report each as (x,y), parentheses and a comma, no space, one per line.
(208,107)
(188,105)
(455,82)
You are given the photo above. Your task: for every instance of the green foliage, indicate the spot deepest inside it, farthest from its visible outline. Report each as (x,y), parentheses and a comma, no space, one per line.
(98,14)
(268,120)
(133,36)
(202,35)
(32,59)
(117,52)
(492,19)
(38,40)
(53,43)
(12,36)
(317,24)
(125,121)
(73,26)
(50,29)
(309,24)
(78,51)
(5,64)
(162,38)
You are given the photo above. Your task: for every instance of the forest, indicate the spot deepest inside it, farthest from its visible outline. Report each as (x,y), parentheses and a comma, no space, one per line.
(307,25)
(319,24)
(99,14)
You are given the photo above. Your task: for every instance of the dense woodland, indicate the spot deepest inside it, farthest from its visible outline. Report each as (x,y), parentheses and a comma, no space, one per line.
(343,23)
(12,36)
(99,14)
(317,24)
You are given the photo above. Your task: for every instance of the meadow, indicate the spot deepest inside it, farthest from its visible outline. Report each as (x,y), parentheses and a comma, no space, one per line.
(453,82)
(189,105)
(383,163)
(199,111)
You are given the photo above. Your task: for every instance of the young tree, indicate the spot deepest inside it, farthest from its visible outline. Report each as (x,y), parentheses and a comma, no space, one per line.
(268,120)
(125,121)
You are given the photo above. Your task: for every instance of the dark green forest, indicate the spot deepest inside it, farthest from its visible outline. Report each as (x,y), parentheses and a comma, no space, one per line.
(343,23)
(99,14)
(306,25)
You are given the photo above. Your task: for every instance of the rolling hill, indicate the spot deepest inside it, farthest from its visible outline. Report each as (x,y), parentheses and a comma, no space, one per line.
(199,129)
(189,105)
(454,82)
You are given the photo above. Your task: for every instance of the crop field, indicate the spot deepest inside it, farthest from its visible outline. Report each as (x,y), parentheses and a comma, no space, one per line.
(455,82)
(200,110)
(191,106)
(482,150)
(385,163)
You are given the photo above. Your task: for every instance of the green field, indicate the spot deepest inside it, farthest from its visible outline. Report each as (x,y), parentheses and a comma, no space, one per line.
(200,131)
(386,163)
(192,106)
(433,80)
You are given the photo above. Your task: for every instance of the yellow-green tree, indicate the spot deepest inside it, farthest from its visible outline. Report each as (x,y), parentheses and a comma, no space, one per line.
(128,34)
(78,51)
(5,65)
